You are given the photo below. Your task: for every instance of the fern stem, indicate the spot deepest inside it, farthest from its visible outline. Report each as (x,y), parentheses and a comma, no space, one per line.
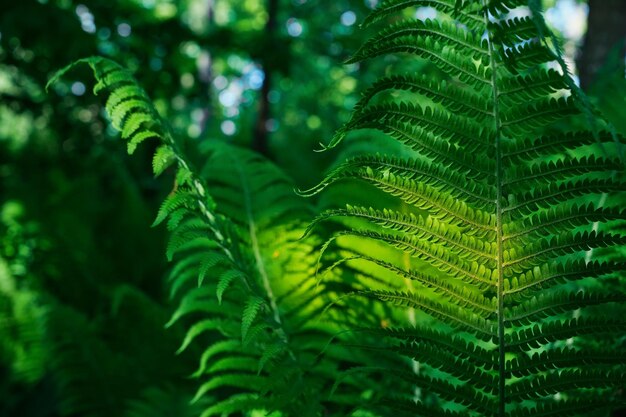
(406,263)
(499,233)
(201,191)
(258,258)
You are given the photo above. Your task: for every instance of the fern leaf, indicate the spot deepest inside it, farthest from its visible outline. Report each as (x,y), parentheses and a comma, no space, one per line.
(225,280)
(549,384)
(453,316)
(525,365)
(173,202)
(163,158)
(536,336)
(551,274)
(389,7)
(458,101)
(570,407)
(253,306)
(233,380)
(487,217)
(200,327)
(411,31)
(545,306)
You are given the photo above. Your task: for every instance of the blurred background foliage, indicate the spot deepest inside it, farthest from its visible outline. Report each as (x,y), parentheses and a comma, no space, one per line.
(75,211)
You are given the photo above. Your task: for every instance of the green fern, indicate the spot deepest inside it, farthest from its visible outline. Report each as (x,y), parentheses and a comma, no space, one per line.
(21,328)
(242,277)
(491,232)
(475,286)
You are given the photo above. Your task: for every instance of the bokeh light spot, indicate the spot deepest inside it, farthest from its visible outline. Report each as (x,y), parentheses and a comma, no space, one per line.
(294,27)
(124,30)
(348,18)
(424,13)
(228,127)
(220,82)
(78,88)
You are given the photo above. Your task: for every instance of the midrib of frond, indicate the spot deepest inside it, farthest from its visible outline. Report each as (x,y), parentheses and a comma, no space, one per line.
(258,258)
(499,230)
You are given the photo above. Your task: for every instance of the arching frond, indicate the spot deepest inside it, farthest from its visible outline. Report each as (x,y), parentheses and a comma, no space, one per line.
(491,221)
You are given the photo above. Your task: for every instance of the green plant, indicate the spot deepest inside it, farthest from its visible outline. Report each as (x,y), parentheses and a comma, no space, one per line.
(491,222)
(242,275)
(500,220)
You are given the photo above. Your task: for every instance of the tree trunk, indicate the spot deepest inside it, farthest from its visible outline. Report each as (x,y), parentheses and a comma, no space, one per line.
(260,138)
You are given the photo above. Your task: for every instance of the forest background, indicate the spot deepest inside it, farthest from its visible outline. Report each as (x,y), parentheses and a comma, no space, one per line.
(75,211)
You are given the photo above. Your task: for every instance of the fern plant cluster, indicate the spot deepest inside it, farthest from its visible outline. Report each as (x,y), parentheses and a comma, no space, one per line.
(470,277)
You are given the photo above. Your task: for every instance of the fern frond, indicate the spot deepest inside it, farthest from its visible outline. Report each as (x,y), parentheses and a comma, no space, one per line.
(455,100)
(570,407)
(463,395)
(128,106)
(553,193)
(525,178)
(509,32)
(448,363)
(547,146)
(444,125)
(217,243)
(548,275)
(528,118)
(233,404)
(491,233)
(563,358)
(443,341)
(460,295)
(441,205)
(453,316)
(452,179)
(434,254)
(554,219)
(537,336)
(389,7)
(409,32)
(528,87)
(566,380)
(521,259)
(544,306)
(525,56)
(428,229)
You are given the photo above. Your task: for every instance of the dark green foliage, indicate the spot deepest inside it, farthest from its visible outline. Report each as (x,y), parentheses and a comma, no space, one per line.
(474,273)
(497,218)
(232,247)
